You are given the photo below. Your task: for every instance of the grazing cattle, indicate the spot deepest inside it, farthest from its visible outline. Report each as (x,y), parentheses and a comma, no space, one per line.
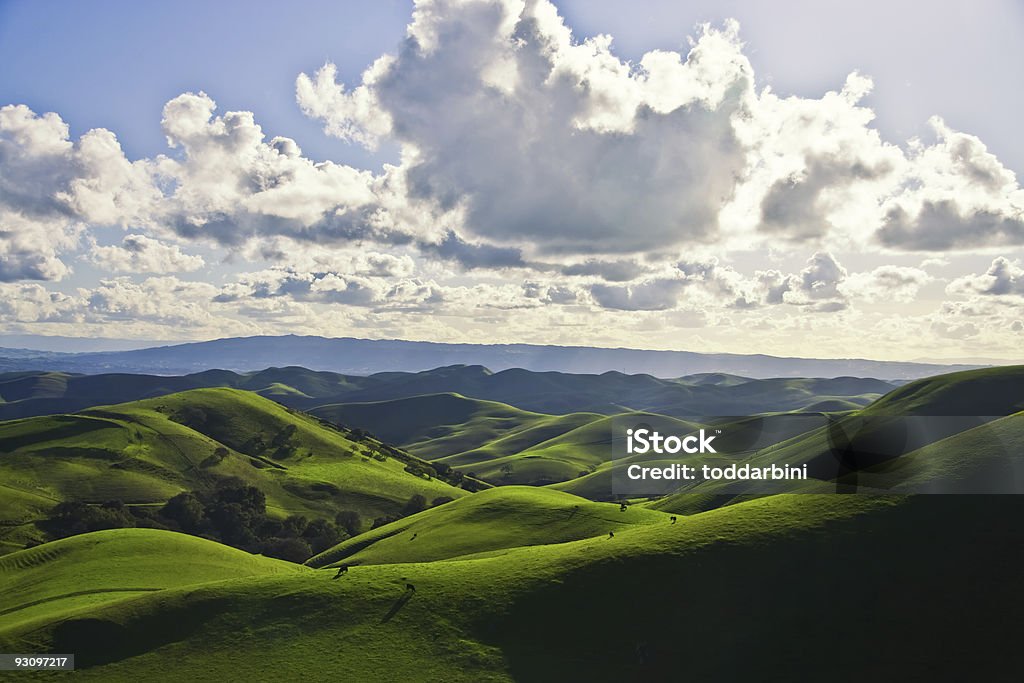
(343,569)
(673,518)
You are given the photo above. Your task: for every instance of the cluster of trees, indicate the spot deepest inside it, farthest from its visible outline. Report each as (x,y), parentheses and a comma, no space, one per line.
(416,503)
(236,514)
(73,518)
(232,513)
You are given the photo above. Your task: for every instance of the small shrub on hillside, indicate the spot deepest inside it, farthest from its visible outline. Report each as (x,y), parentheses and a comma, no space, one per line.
(290,549)
(191,416)
(386,519)
(283,436)
(420,470)
(186,511)
(217,458)
(321,535)
(417,503)
(350,521)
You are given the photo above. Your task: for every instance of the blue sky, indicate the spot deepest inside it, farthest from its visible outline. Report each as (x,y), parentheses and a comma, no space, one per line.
(778,185)
(114,64)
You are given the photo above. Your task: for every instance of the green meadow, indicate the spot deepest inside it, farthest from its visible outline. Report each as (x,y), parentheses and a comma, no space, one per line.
(145,452)
(515,565)
(829,575)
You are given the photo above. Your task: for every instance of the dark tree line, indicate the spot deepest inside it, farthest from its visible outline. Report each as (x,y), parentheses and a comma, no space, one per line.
(232,513)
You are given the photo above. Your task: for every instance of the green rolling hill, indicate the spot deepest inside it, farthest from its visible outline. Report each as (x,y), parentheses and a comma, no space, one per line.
(568,456)
(911,418)
(432,424)
(842,586)
(497,443)
(988,458)
(502,444)
(529,434)
(496,519)
(41,393)
(521,583)
(477,436)
(961,432)
(27,394)
(614,392)
(991,391)
(715,378)
(73,576)
(145,452)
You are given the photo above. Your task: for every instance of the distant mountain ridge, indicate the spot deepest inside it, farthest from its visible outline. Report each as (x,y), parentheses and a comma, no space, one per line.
(24,394)
(368,356)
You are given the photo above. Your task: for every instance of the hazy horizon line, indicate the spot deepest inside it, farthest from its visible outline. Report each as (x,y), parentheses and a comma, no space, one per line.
(87,345)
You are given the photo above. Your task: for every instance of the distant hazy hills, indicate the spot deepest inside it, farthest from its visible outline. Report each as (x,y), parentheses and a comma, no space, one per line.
(538,428)
(546,425)
(24,394)
(364,357)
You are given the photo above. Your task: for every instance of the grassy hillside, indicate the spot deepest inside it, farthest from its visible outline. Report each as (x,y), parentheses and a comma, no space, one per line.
(576,456)
(992,391)
(559,458)
(886,443)
(714,378)
(938,434)
(479,436)
(440,424)
(521,583)
(985,459)
(502,444)
(73,576)
(577,444)
(783,588)
(27,394)
(508,442)
(144,452)
(613,392)
(499,518)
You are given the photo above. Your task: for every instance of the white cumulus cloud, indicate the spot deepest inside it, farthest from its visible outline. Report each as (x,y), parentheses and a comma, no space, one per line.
(1003,278)
(141,254)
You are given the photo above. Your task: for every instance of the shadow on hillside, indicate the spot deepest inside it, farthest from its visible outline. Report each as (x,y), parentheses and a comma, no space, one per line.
(90,640)
(96,641)
(399,604)
(918,590)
